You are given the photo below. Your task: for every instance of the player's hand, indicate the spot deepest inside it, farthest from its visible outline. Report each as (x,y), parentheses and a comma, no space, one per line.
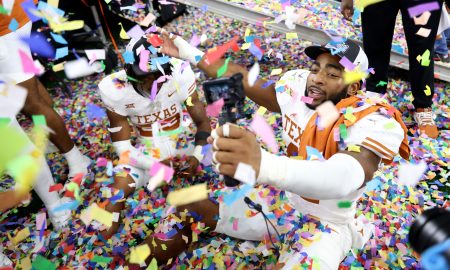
(177,47)
(192,169)
(347,9)
(168,47)
(239,146)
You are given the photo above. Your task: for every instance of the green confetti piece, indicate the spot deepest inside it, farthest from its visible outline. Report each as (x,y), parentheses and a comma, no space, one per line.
(3,10)
(101,259)
(170,132)
(4,121)
(389,125)
(133,79)
(381,83)
(153,265)
(41,263)
(12,143)
(344,204)
(39,120)
(223,68)
(343,131)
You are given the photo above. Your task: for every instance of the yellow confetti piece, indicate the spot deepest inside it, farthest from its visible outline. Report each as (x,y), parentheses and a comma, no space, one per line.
(21,235)
(247,31)
(189,102)
(67,26)
(354,76)
(291,35)
(354,148)
(153,265)
(123,34)
(25,263)
(58,67)
(194,237)
(427,90)
(53,3)
(261,110)
(245,46)
(389,125)
(276,71)
(24,171)
(97,213)
(163,246)
(188,195)
(361,4)
(139,254)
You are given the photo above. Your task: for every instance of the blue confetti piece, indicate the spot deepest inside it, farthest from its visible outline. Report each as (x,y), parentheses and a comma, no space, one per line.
(94,112)
(117,197)
(373,184)
(255,51)
(279,89)
(198,58)
(152,49)
(171,233)
(58,38)
(268,83)
(206,148)
(313,153)
(128,57)
(397,48)
(61,52)
(240,192)
(250,38)
(13,25)
(72,205)
(29,8)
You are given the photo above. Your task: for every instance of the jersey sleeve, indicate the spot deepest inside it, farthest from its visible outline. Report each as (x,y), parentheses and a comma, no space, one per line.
(106,90)
(186,81)
(378,133)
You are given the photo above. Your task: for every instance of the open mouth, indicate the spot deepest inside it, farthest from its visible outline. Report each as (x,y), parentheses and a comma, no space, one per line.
(315,93)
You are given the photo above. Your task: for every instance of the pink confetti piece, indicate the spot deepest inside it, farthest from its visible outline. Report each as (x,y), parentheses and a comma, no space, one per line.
(27,63)
(235,224)
(195,40)
(143,60)
(307,100)
(214,109)
(262,129)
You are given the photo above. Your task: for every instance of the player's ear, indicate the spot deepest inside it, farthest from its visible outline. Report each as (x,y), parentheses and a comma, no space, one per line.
(353,88)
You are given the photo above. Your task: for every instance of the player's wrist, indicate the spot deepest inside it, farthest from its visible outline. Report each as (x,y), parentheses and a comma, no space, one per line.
(187,51)
(198,153)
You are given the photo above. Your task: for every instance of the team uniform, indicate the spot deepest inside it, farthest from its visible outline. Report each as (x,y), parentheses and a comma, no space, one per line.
(149,117)
(346,231)
(11,46)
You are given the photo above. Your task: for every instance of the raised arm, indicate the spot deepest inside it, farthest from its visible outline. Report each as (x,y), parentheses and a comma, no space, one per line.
(177,47)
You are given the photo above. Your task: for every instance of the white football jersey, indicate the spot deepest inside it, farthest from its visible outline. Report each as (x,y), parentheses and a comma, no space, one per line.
(119,96)
(376,132)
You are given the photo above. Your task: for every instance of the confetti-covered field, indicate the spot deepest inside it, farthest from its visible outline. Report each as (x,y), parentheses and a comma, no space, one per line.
(392,207)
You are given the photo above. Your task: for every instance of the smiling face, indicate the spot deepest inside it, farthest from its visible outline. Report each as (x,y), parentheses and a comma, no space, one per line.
(326,81)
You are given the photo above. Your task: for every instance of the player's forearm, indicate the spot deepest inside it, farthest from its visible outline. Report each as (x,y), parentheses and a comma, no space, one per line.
(323,180)
(9,199)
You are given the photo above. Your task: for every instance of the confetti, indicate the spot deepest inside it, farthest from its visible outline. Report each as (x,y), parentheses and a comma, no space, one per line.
(188,195)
